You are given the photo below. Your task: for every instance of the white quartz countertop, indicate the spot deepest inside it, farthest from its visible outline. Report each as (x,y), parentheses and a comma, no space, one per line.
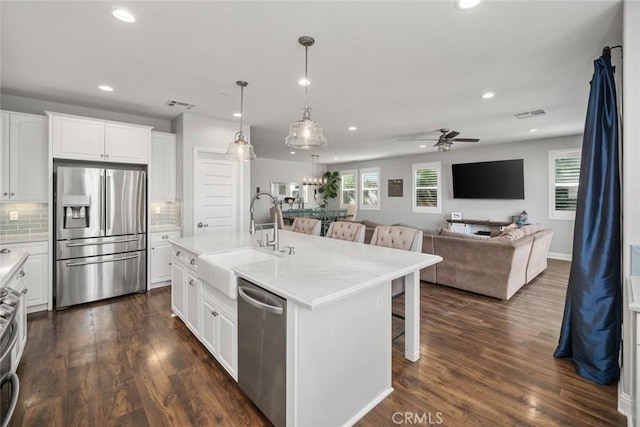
(24,238)
(321,271)
(9,263)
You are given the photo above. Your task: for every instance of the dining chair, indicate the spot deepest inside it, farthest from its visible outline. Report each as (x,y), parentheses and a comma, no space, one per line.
(350,231)
(397,237)
(276,217)
(307,226)
(351,212)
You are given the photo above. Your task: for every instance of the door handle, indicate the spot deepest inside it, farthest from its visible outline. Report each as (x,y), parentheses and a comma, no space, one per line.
(73,245)
(242,291)
(78,264)
(202,225)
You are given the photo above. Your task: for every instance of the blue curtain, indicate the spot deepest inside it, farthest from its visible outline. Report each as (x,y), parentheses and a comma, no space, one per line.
(591,327)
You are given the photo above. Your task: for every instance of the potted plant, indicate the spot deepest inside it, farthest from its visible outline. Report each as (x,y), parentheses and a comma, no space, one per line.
(329,187)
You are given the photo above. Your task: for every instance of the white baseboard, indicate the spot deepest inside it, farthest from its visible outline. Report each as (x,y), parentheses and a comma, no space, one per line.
(625,406)
(159,284)
(557,255)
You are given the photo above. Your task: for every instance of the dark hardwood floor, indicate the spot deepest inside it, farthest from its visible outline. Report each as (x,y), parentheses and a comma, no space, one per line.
(127,362)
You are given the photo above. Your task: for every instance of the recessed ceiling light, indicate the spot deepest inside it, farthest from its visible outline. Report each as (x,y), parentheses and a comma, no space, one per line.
(292,152)
(534,130)
(237,114)
(422,145)
(304,82)
(467,4)
(124,15)
(336,158)
(488,95)
(105,88)
(352,128)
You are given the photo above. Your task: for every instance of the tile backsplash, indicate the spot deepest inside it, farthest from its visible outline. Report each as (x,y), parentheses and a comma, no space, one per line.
(32,218)
(168,213)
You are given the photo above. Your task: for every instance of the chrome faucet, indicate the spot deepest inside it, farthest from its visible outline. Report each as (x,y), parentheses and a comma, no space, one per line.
(252,224)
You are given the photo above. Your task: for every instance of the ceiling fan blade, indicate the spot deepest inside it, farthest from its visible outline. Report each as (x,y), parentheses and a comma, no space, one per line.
(437,144)
(452,134)
(466,139)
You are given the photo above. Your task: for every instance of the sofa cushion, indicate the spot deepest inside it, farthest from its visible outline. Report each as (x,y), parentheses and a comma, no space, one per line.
(510,236)
(449,233)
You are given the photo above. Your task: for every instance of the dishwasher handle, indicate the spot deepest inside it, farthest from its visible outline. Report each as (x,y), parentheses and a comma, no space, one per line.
(244,294)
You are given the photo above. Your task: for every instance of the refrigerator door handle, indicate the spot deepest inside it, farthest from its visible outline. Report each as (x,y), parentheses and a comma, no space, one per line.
(78,264)
(75,245)
(102,195)
(107,200)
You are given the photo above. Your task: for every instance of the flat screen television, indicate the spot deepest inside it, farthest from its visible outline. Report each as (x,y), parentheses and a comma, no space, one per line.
(502,179)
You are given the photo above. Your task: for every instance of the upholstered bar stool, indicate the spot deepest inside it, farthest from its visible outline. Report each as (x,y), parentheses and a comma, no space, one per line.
(276,217)
(397,237)
(349,231)
(307,226)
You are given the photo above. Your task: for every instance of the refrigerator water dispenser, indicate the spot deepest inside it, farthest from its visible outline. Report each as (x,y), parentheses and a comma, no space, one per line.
(76,211)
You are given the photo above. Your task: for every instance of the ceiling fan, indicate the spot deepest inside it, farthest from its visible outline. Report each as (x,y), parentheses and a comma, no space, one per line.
(445,140)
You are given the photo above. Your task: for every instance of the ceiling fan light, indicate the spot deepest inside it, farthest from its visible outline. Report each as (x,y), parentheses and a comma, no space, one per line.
(467,4)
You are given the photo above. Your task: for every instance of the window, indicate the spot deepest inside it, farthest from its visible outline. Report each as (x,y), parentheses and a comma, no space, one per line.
(370,189)
(426,189)
(564,176)
(348,187)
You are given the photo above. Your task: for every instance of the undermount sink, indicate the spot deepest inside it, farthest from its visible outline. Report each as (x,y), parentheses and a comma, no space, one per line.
(215,269)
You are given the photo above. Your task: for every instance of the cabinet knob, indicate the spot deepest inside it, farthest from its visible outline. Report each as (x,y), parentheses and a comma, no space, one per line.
(192,282)
(13,194)
(5,194)
(192,262)
(102,156)
(170,263)
(5,251)
(214,313)
(22,274)
(178,253)
(106,156)
(165,237)
(25,290)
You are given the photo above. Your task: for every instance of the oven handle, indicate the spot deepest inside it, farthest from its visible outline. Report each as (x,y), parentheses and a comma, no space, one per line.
(12,378)
(78,264)
(12,340)
(75,245)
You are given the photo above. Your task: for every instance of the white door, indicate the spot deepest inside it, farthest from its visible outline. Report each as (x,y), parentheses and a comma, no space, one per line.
(215,193)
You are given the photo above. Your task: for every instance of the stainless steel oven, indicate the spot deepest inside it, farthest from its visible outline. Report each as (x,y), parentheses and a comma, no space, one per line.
(9,332)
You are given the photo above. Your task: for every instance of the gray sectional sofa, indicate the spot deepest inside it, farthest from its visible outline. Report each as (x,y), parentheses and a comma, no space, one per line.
(496,267)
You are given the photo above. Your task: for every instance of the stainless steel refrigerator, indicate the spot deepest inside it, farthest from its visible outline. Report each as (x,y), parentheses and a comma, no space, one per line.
(100,216)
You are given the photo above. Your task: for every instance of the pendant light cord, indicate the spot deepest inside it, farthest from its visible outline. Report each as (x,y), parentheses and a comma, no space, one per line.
(241,105)
(306,78)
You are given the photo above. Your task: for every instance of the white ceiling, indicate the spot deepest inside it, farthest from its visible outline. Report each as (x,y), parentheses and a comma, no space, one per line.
(393,69)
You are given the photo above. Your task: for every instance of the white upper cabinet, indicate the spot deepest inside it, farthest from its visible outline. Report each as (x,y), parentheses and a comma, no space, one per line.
(81,138)
(162,174)
(23,168)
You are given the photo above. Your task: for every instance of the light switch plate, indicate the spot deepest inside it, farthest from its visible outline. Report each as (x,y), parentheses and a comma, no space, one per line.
(158,210)
(13,216)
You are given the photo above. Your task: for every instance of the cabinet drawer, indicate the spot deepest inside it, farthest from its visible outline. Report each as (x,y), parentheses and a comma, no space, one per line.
(187,257)
(164,236)
(34,248)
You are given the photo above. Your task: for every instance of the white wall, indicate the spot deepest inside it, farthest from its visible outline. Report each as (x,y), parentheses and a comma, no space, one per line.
(266,171)
(39,106)
(631,186)
(536,202)
(194,131)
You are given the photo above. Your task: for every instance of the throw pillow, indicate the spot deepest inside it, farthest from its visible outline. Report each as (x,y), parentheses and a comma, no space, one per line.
(449,233)
(531,228)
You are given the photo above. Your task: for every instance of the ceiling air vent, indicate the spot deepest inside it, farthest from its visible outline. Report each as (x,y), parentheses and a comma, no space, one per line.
(529,114)
(180,104)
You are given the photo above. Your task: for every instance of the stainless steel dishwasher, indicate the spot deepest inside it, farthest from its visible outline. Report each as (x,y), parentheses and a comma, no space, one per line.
(262,350)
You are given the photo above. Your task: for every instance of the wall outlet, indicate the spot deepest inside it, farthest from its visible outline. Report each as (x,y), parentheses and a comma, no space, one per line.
(13,215)
(158,210)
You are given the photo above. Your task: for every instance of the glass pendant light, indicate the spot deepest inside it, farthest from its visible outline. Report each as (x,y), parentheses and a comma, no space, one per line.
(306,134)
(240,149)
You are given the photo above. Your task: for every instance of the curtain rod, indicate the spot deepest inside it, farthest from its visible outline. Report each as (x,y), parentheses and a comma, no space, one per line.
(607,50)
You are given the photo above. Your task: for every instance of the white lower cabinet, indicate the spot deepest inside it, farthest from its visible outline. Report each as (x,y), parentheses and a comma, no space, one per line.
(209,314)
(219,334)
(160,258)
(37,281)
(18,282)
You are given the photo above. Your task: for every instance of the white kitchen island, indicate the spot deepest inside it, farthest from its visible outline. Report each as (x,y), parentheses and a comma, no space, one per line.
(338,293)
